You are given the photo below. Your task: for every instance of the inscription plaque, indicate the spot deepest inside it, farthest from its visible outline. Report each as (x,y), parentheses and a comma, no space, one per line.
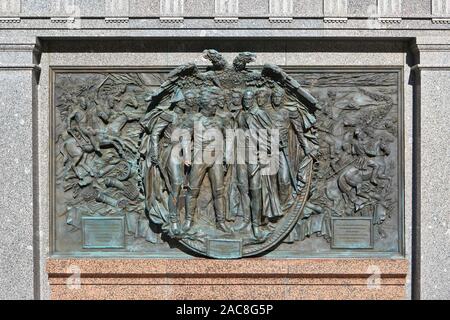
(103,232)
(352,233)
(225,248)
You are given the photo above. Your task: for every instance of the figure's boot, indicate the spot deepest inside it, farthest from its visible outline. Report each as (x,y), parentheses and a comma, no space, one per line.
(259,232)
(256,208)
(374,174)
(187,225)
(223,227)
(219,208)
(243,224)
(246,210)
(175,228)
(191,205)
(173,210)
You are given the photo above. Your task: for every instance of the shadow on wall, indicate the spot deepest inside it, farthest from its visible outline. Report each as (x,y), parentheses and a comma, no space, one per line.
(230,45)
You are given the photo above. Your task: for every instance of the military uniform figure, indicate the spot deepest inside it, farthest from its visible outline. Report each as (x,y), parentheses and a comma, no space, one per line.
(207,122)
(271,197)
(282,122)
(164,129)
(283,116)
(249,176)
(239,198)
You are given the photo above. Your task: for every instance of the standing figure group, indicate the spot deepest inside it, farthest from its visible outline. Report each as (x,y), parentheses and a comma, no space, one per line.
(249,142)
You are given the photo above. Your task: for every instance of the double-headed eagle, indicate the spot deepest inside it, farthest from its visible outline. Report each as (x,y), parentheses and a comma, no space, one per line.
(239,66)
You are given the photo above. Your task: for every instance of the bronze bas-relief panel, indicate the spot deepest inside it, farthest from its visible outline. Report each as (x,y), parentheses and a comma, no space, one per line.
(111,158)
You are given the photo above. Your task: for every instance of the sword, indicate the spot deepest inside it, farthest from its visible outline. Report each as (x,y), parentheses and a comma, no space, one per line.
(166,182)
(339,170)
(291,176)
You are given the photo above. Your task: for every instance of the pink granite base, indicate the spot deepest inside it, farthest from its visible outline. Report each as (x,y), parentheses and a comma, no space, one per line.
(227,279)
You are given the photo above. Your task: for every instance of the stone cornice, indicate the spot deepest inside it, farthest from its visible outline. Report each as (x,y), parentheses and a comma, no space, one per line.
(19,53)
(19,43)
(33,67)
(431,44)
(249,23)
(420,67)
(206,9)
(432,53)
(18,47)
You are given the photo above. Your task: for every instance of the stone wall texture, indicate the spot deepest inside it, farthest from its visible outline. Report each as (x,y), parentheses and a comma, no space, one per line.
(234,280)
